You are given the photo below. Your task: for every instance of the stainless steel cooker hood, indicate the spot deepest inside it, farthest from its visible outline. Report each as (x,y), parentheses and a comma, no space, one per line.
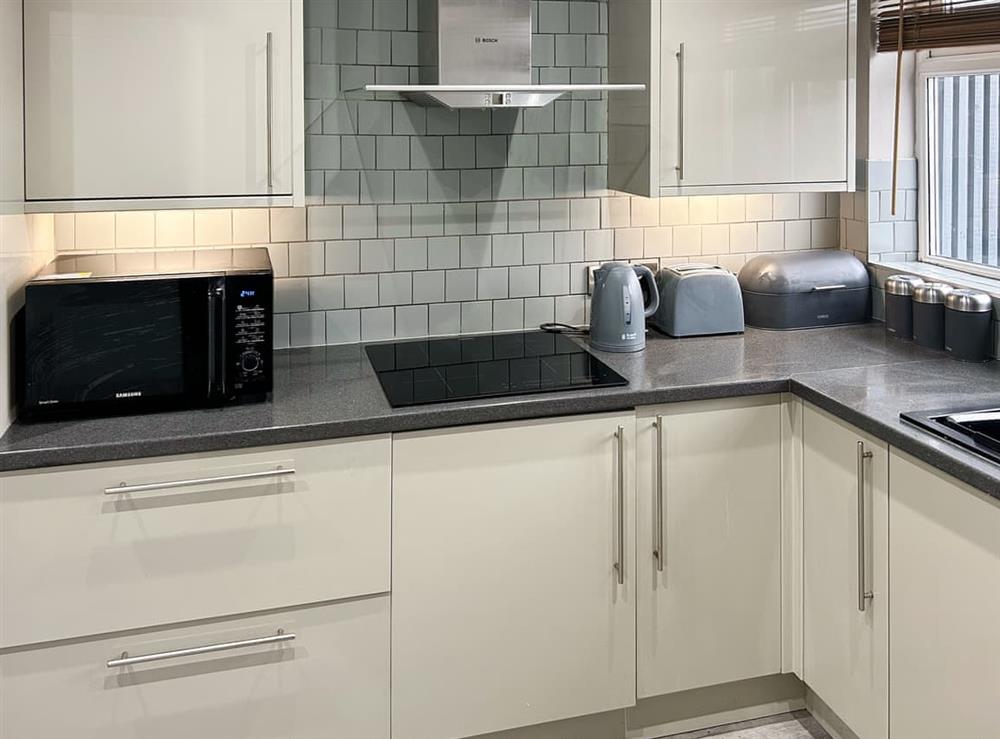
(477,54)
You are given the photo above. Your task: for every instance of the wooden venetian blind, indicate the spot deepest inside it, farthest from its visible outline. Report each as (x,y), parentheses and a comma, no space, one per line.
(935,24)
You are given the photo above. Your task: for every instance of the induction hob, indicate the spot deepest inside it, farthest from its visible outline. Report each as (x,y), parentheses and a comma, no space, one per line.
(488,366)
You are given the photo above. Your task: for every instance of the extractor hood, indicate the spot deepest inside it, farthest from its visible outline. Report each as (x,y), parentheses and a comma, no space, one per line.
(477,54)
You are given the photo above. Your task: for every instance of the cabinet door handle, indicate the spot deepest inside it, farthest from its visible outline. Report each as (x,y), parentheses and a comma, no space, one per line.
(658,552)
(125,661)
(123,488)
(268,101)
(863,594)
(620,447)
(680,112)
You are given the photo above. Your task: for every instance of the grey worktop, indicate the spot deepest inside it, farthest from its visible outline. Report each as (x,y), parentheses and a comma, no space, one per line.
(332,392)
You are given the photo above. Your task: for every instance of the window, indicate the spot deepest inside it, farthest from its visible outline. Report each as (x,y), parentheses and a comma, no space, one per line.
(958,98)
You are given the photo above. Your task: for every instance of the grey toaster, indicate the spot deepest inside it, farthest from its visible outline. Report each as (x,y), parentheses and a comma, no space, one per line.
(698,300)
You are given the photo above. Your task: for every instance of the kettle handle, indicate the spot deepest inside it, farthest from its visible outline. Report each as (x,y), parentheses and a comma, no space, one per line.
(644,272)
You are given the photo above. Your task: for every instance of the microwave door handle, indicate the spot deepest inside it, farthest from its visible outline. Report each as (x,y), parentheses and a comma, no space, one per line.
(215,341)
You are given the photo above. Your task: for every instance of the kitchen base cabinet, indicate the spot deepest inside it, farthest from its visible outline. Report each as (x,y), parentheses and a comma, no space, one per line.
(944,655)
(331,680)
(191,537)
(845,633)
(709,493)
(513,575)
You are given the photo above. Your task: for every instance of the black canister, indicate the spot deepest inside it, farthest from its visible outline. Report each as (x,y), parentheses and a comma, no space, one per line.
(968,325)
(928,314)
(899,305)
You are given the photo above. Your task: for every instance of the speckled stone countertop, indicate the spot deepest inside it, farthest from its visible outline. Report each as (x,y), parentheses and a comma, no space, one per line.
(325,393)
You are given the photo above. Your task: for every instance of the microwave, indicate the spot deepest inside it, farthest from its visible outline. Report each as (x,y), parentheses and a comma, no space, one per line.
(124,333)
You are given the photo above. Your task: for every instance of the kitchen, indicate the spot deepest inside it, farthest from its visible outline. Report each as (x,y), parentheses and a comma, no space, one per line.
(744,485)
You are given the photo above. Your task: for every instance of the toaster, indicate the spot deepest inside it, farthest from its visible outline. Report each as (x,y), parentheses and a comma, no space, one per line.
(698,300)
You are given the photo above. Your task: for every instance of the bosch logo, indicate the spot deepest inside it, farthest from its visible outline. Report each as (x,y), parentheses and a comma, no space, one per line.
(486,40)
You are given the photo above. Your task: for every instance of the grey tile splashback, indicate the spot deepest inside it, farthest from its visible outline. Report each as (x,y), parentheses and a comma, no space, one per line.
(431,221)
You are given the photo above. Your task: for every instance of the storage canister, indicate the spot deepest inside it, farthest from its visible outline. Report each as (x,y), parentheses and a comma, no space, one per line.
(928,314)
(968,325)
(805,290)
(899,305)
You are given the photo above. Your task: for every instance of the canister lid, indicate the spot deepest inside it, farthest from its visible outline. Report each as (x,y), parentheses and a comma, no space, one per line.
(968,301)
(931,292)
(902,284)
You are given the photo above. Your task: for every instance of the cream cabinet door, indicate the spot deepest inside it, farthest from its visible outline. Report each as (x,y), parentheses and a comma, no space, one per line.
(944,654)
(754,93)
(157,99)
(191,537)
(845,634)
(513,579)
(329,679)
(709,493)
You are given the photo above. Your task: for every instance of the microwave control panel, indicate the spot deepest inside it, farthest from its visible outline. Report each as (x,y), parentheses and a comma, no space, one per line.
(249,301)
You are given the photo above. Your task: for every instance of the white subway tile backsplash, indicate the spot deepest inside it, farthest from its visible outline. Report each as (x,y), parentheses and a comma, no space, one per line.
(760,207)
(377,255)
(173,228)
(798,235)
(428,287)
(477,317)
(291,295)
(377,324)
(251,226)
(786,206)
(307,329)
(135,229)
(444,318)
(360,291)
(95,230)
(687,241)
(732,208)
(538,248)
(288,224)
(715,239)
(492,283)
(742,238)
(306,258)
(704,209)
(599,246)
(524,281)
(326,293)
(343,326)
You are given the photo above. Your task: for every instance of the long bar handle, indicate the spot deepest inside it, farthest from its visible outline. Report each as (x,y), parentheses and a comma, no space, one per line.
(279,471)
(125,661)
(620,447)
(680,112)
(269,101)
(863,594)
(658,552)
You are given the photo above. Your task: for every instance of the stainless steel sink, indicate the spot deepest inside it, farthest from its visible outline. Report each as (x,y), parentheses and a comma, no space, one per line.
(976,430)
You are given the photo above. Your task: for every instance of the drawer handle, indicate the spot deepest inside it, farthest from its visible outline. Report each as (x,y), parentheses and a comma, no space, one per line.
(658,552)
(125,661)
(123,488)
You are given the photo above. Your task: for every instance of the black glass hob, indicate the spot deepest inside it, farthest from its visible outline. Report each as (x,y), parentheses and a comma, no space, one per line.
(489,366)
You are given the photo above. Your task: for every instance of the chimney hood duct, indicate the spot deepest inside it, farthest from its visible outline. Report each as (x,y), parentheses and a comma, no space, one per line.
(477,54)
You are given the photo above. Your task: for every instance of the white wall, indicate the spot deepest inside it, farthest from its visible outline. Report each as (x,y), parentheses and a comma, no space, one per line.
(26,242)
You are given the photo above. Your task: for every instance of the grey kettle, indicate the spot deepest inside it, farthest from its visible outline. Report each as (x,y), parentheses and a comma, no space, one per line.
(617,313)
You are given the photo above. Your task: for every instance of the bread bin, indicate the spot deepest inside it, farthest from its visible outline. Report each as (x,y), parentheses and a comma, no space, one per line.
(899,305)
(928,314)
(805,290)
(698,300)
(968,325)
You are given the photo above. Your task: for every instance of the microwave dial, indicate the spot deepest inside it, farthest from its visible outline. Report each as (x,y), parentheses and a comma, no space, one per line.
(250,361)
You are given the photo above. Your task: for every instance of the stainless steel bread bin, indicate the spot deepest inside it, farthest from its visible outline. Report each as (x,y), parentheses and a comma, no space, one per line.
(805,290)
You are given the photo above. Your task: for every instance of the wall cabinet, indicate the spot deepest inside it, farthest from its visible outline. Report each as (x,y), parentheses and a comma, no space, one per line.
(513,575)
(330,680)
(845,559)
(154,103)
(944,556)
(708,543)
(741,96)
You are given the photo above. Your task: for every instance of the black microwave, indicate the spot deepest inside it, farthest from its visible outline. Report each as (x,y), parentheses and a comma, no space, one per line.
(137,332)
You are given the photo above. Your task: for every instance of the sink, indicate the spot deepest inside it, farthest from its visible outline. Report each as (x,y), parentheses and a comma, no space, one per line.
(976,430)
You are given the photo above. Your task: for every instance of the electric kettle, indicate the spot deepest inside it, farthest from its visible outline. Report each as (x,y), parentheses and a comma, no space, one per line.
(617,311)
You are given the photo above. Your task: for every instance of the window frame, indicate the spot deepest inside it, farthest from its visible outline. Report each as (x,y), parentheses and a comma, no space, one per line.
(934,63)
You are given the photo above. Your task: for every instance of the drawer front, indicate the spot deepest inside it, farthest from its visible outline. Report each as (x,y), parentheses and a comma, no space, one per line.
(331,680)
(78,561)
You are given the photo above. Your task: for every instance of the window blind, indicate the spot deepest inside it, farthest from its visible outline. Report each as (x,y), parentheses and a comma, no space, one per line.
(935,24)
